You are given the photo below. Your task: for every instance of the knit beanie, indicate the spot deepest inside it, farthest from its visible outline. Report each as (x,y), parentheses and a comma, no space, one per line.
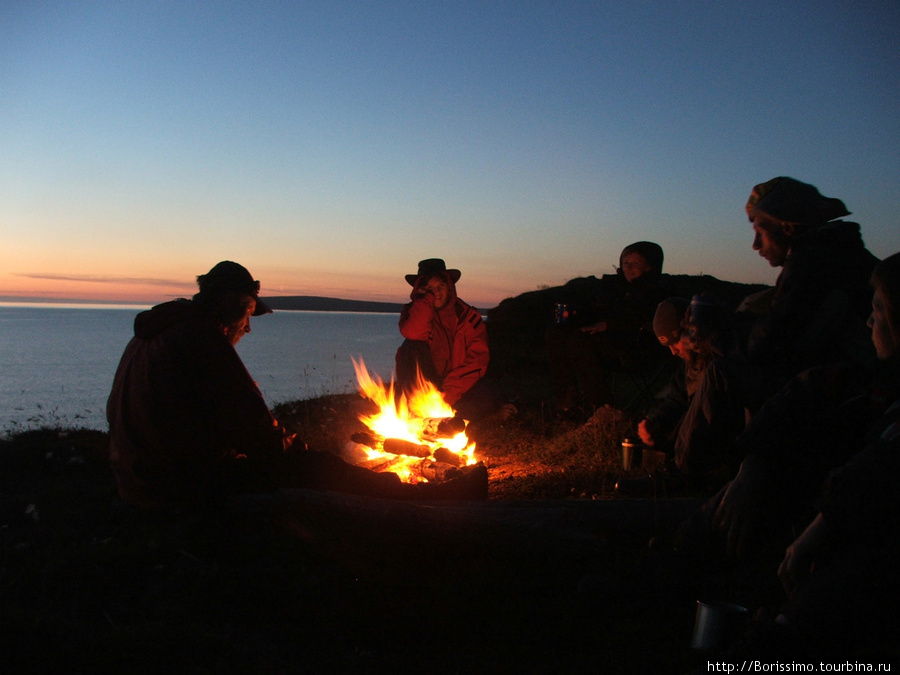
(667,321)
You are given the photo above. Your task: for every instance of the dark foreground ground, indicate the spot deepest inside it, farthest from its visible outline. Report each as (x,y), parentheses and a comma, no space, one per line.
(319,582)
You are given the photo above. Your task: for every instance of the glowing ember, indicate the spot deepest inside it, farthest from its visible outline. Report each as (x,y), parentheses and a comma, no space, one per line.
(415,421)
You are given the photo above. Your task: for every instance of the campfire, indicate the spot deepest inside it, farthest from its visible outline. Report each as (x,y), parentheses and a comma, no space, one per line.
(417,437)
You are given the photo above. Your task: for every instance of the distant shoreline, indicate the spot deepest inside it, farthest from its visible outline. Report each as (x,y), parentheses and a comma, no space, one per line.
(301,303)
(282,303)
(313,303)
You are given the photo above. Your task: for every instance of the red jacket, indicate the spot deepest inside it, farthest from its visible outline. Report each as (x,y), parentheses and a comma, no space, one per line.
(456,337)
(187,423)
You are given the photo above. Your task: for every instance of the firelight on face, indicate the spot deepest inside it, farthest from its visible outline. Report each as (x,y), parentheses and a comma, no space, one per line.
(634,265)
(241,327)
(440,290)
(767,243)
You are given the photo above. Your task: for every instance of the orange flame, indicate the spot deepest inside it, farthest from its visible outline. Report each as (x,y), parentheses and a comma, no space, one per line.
(406,420)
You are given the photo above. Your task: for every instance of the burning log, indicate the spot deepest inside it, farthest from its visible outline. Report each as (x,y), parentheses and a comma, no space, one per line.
(436,428)
(447,457)
(437,471)
(354,453)
(409,430)
(365,438)
(382,464)
(398,446)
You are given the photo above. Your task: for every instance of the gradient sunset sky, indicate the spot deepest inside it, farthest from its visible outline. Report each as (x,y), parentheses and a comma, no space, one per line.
(329,146)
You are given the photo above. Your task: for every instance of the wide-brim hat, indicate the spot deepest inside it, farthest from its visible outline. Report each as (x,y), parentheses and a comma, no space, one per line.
(431,267)
(230,276)
(792,201)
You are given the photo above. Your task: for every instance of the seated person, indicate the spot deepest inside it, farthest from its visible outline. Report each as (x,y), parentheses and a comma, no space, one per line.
(614,325)
(658,428)
(821,299)
(446,342)
(189,427)
(842,574)
(716,413)
(695,437)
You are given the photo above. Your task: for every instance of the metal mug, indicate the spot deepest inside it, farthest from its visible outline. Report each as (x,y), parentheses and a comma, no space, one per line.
(717,625)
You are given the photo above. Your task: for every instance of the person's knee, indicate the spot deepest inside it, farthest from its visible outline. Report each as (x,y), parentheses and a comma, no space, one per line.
(412,359)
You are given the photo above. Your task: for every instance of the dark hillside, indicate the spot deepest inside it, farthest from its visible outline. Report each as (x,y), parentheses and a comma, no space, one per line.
(517,325)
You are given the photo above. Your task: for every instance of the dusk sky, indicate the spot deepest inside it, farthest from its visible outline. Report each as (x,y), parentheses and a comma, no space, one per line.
(329,146)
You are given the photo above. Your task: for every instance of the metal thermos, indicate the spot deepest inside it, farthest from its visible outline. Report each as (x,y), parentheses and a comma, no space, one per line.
(627,454)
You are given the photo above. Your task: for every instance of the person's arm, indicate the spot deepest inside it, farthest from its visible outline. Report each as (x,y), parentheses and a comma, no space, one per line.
(737,515)
(861,499)
(473,366)
(816,410)
(417,316)
(661,421)
(803,553)
(238,418)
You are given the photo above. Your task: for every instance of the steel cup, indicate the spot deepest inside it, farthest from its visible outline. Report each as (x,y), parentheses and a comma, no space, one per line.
(717,625)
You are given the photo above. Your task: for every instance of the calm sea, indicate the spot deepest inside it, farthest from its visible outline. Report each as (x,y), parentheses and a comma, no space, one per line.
(57,362)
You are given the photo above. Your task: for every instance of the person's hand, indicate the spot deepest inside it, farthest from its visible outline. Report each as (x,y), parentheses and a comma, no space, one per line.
(289,440)
(419,292)
(644,434)
(800,556)
(737,515)
(595,328)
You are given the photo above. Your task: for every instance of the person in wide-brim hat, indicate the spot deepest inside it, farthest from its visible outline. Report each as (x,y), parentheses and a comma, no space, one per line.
(431,267)
(445,342)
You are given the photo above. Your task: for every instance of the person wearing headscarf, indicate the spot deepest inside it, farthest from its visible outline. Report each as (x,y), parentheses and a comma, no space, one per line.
(824,460)
(821,300)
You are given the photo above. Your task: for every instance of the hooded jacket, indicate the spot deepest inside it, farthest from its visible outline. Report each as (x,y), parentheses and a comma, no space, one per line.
(187,422)
(628,307)
(457,340)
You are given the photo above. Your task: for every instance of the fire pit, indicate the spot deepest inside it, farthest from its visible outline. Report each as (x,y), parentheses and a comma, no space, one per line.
(418,437)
